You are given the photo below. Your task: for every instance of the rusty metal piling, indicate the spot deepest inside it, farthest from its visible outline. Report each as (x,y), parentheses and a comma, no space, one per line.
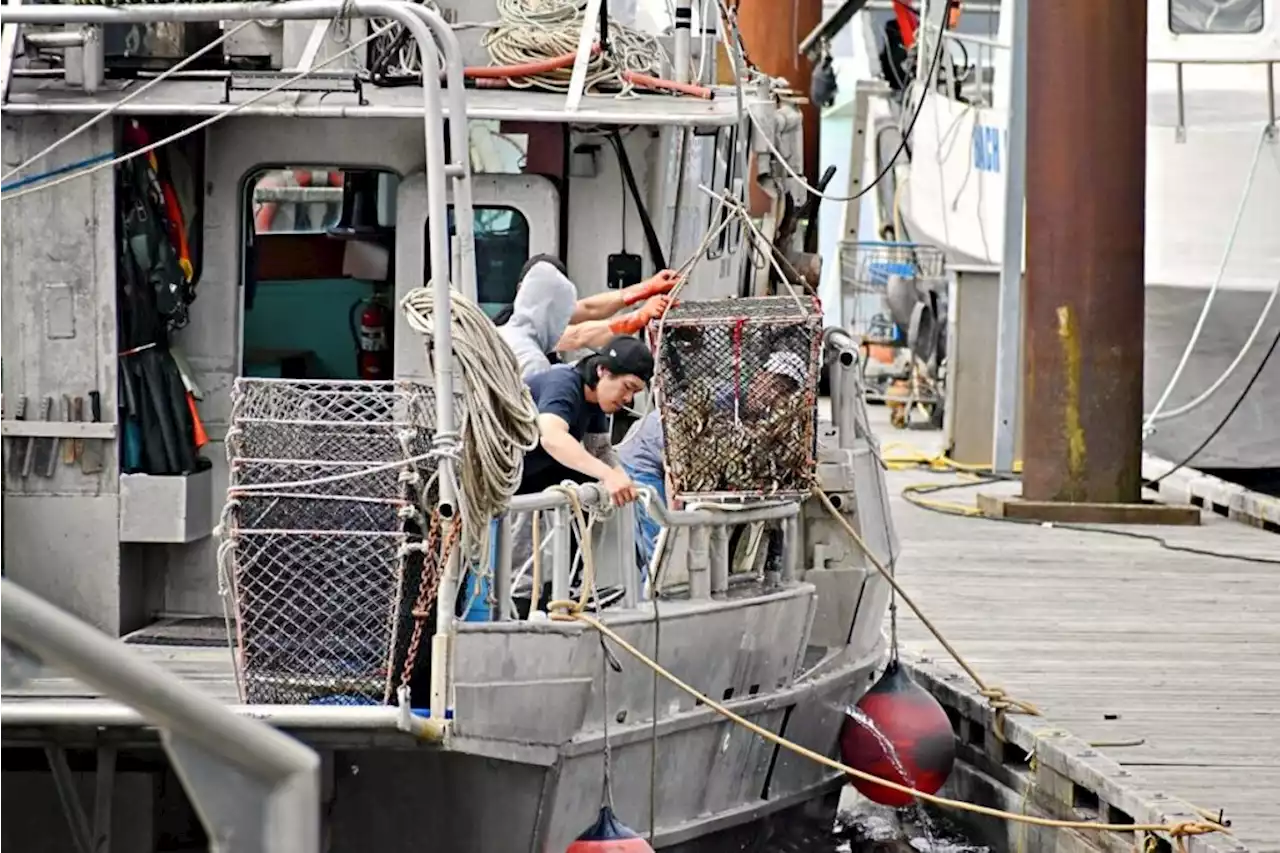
(1086,179)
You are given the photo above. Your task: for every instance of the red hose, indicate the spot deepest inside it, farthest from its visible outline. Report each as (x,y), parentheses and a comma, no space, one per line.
(524,69)
(498,74)
(644,81)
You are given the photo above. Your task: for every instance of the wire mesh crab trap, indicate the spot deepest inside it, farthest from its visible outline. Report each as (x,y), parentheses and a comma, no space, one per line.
(323,534)
(865,273)
(737,383)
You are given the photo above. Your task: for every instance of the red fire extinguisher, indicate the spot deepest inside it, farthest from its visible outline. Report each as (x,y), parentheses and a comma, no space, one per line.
(372,333)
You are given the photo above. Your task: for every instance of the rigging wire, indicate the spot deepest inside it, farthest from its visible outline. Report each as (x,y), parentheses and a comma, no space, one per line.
(1186,408)
(135,94)
(146,149)
(1225,418)
(925,87)
(1150,419)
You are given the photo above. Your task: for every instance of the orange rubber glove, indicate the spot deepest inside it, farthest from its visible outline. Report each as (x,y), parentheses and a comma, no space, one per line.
(631,323)
(663,282)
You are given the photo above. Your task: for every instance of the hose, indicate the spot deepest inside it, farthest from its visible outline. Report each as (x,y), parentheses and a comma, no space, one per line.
(532,31)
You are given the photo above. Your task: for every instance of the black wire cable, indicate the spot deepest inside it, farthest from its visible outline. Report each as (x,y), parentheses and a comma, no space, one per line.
(910,491)
(938,50)
(1150,484)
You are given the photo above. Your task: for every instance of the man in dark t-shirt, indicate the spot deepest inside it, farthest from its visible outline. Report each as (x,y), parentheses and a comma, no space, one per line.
(574,402)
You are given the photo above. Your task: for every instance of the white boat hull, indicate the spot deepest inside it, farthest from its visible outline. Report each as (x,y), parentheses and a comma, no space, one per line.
(953,196)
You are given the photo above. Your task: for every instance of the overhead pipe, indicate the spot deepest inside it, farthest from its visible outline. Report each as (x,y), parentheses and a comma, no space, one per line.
(683,59)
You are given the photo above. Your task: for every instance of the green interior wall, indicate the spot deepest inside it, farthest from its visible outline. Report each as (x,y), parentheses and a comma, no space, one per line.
(310,316)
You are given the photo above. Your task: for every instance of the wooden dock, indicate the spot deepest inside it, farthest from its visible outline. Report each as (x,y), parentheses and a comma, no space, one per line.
(1165,662)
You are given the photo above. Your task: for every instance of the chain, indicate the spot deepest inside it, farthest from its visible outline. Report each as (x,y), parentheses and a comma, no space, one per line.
(606,795)
(427,586)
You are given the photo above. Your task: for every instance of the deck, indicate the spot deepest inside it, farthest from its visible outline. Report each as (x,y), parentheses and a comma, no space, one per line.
(1173,658)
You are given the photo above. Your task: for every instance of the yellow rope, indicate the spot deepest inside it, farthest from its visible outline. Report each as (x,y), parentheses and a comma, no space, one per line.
(913,457)
(571,611)
(999,700)
(566,611)
(535,595)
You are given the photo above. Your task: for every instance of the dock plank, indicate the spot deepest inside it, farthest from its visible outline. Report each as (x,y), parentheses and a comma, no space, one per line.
(1117,640)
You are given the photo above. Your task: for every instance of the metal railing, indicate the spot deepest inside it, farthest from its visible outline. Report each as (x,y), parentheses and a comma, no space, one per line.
(709,523)
(988,46)
(1180,130)
(255,789)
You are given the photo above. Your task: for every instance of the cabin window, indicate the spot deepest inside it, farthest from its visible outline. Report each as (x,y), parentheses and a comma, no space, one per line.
(502,247)
(1192,17)
(320,242)
(724,172)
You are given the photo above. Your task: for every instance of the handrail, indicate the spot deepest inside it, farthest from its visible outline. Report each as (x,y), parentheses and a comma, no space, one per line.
(593,496)
(212,745)
(1273,121)
(996,44)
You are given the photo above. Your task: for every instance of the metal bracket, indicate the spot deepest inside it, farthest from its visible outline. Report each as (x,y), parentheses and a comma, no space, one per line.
(87,838)
(1273,130)
(8,51)
(1180,131)
(327,83)
(233,806)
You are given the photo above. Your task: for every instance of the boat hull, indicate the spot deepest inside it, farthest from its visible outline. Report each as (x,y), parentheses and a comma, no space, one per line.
(1194,186)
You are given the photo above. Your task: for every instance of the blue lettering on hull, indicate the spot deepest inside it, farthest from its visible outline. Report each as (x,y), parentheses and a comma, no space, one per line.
(986,148)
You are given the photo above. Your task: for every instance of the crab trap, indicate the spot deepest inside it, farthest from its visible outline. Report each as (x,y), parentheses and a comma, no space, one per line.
(737,385)
(323,532)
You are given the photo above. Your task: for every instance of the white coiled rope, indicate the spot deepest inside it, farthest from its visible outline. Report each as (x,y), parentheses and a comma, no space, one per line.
(499,420)
(537,30)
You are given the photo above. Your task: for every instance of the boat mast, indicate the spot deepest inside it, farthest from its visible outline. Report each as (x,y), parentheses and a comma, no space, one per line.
(1086,179)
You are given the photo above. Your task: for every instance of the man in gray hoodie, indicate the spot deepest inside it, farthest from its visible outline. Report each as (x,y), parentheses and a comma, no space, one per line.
(548,317)
(544,305)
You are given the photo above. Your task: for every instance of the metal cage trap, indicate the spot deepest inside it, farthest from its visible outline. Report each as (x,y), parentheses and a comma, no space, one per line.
(737,385)
(327,484)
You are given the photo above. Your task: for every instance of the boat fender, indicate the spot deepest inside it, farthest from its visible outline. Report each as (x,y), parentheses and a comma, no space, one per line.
(609,835)
(908,722)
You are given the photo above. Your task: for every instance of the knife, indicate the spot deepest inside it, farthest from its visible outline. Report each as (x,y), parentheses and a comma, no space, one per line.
(68,444)
(91,457)
(18,447)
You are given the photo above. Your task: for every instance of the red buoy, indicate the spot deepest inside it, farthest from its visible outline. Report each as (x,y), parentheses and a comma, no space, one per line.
(911,722)
(609,835)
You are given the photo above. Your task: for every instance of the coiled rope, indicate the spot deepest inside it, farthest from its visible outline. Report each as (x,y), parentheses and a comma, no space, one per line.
(536,30)
(499,420)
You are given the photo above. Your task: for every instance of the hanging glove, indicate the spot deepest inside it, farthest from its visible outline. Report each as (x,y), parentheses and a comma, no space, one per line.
(629,324)
(663,282)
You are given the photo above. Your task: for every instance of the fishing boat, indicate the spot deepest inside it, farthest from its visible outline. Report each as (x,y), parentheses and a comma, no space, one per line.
(213,215)
(1213,188)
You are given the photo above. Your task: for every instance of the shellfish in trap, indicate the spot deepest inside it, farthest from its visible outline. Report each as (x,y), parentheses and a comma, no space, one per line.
(737,383)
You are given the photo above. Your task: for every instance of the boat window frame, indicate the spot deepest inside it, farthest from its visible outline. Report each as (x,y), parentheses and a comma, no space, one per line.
(477,209)
(726,149)
(1172,14)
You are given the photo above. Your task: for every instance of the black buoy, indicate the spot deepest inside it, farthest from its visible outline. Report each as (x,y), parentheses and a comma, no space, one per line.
(609,835)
